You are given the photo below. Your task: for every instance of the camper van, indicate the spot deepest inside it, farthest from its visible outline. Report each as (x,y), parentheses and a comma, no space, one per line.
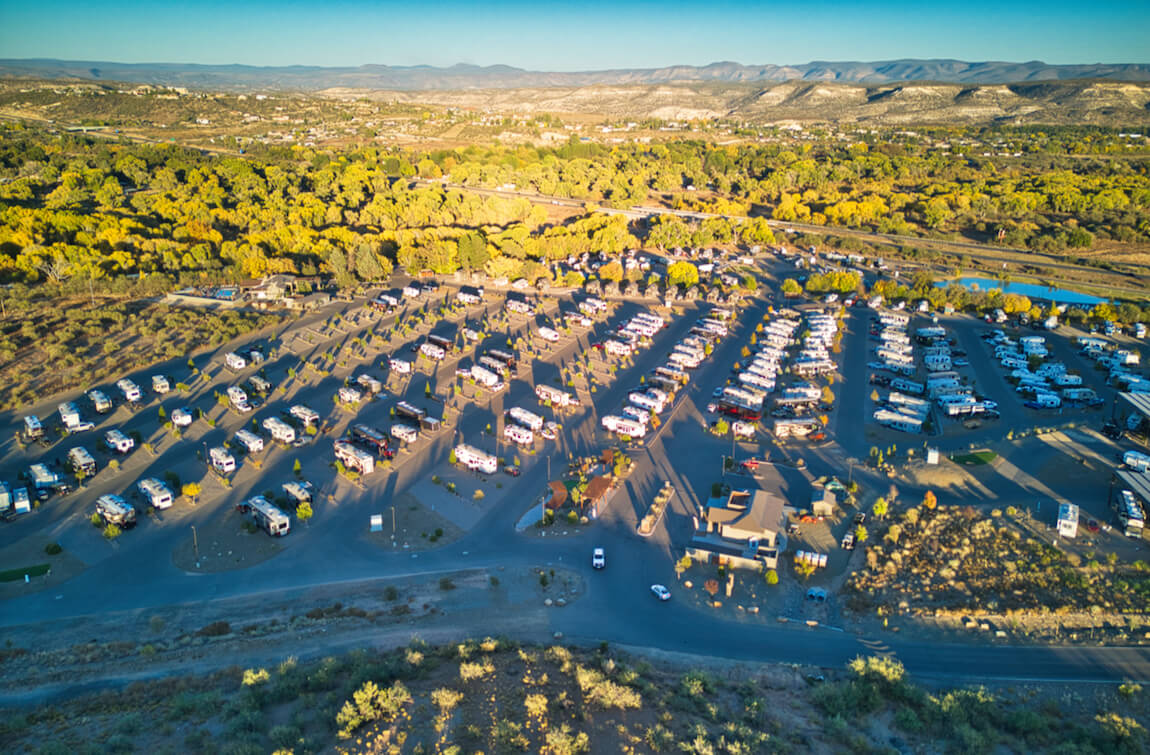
(82,462)
(118,442)
(130,390)
(249,440)
(115,510)
(269,518)
(100,402)
(221,460)
(355,459)
(156,493)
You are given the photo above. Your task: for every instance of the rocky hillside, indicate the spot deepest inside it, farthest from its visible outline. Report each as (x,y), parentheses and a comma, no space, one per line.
(506,77)
(1066,102)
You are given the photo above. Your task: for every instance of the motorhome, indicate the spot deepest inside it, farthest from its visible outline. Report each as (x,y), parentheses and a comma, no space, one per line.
(221,460)
(555,396)
(476,460)
(160,385)
(157,494)
(401,366)
(238,398)
(115,510)
(617,348)
(353,458)
(100,402)
(118,442)
(33,430)
(517,434)
(234,361)
(130,390)
(81,462)
(526,418)
(623,426)
(496,366)
(405,433)
(409,412)
(1131,515)
(268,517)
(304,414)
(373,440)
(249,440)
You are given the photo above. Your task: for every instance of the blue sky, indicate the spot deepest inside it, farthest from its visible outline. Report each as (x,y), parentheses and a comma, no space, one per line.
(571,36)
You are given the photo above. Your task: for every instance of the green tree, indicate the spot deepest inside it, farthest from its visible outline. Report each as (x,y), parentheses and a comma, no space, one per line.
(791,288)
(771,576)
(880,508)
(682,273)
(303,512)
(191,490)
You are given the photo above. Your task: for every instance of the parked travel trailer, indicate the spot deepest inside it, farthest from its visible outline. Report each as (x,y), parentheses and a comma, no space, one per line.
(298,490)
(115,510)
(469,295)
(370,384)
(130,390)
(305,415)
(617,348)
(181,417)
(249,440)
(355,459)
(81,462)
(405,433)
(743,429)
(484,376)
(160,385)
(157,494)
(70,417)
(268,517)
(517,434)
(898,421)
(639,415)
(400,366)
(118,442)
(527,419)
(548,334)
(46,481)
(431,351)
(646,401)
(238,398)
(555,396)
(259,385)
(221,460)
(623,426)
(234,361)
(476,460)
(348,395)
(100,402)
(1136,461)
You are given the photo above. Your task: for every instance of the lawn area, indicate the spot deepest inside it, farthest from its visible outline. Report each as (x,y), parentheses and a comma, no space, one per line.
(12,575)
(975,458)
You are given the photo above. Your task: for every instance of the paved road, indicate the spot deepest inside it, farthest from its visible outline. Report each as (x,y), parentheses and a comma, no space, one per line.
(617,607)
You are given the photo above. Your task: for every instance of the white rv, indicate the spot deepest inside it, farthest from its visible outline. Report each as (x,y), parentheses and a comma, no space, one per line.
(81,461)
(353,458)
(473,458)
(33,430)
(270,519)
(484,376)
(646,401)
(641,416)
(221,460)
(528,419)
(280,431)
(158,495)
(555,396)
(234,361)
(401,366)
(431,351)
(298,490)
(100,402)
(548,334)
(405,433)
(623,426)
(160,384)
(517,434)
(349,395)
(181,417)
(370,384)
(249,440)
(238,399)
(130,390)
(118,442)
(305,415)
(115,510)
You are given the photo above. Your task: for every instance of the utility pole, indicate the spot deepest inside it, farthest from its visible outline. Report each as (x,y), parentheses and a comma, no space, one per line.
(195,545)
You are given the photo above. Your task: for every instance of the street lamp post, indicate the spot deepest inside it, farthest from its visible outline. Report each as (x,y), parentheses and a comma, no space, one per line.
(195,545)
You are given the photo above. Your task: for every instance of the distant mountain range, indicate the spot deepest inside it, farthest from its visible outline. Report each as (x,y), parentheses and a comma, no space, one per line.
(462,77)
